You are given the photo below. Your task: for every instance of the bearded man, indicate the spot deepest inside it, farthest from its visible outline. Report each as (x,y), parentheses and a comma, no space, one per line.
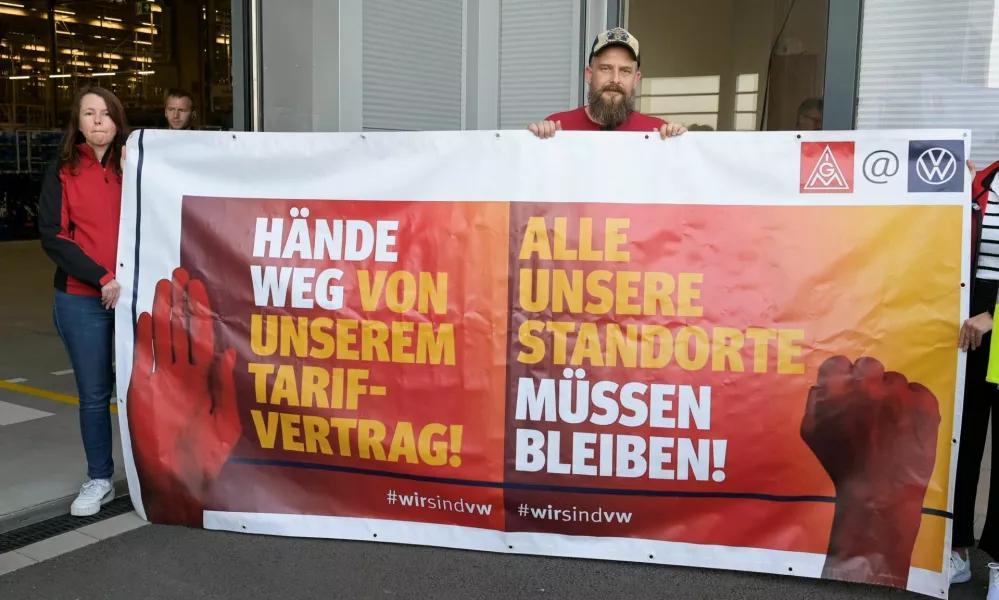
(612,77)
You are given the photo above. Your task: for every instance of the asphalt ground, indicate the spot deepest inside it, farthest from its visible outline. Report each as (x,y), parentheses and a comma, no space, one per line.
(169,563)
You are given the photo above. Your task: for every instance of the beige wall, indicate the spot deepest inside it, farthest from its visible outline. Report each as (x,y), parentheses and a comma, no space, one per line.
(718,40)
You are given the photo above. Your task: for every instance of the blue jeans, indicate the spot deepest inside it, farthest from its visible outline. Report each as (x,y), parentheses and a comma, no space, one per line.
(87,330)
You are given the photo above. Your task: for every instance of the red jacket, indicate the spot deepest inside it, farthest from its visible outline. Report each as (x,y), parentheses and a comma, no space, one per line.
(578,120)
(78,216)
(980,187)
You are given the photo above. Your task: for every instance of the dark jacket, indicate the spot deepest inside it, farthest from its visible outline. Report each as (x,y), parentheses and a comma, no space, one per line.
(78,215)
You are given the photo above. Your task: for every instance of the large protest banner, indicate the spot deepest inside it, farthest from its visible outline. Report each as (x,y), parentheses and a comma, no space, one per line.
(735,351)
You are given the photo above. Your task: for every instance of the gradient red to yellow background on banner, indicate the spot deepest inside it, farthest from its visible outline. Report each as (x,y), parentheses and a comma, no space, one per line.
(404,376)
(881,282)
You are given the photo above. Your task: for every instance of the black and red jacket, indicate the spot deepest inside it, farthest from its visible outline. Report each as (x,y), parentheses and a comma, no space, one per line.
(78,214)
(980,188)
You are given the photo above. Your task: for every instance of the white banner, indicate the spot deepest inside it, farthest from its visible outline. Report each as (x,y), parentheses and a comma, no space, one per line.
(725,350)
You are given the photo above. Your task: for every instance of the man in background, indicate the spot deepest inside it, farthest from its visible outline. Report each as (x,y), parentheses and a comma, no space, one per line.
(810,115)
(179,110)
(612,77)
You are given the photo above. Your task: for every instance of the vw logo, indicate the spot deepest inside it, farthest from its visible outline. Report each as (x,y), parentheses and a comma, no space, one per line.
(936,166)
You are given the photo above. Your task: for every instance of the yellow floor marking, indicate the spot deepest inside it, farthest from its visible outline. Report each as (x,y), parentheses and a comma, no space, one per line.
(40,393)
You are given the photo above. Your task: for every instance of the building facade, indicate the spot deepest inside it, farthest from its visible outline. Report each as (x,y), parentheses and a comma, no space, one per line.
(402,65)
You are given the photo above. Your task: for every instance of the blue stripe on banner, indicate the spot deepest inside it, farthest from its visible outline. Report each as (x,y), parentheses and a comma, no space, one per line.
(550,488)
(138,231)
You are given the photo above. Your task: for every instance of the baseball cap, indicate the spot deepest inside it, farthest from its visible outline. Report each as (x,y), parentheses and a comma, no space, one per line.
(618,36)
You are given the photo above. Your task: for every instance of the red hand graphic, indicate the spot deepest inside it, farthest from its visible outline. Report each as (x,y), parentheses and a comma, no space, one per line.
(182,413)
(876,436)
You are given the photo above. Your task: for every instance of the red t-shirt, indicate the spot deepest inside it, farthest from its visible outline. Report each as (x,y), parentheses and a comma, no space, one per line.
(578,120)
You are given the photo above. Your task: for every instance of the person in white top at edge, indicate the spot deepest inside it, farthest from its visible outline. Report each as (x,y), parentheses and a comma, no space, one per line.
(979,395)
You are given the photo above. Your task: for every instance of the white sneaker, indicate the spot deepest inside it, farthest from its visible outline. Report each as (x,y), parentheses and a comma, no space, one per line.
(94,494)
(993,581)
(960,568)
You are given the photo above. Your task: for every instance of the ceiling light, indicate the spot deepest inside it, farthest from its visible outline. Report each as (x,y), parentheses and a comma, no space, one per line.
(106,23)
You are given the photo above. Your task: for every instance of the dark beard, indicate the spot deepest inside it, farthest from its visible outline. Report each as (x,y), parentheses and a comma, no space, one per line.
(608,114)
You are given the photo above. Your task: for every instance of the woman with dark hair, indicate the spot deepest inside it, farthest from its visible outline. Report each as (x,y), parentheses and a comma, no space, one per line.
(78,215)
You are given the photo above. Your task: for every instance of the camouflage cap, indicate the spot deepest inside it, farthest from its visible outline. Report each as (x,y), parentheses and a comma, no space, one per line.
(616,37)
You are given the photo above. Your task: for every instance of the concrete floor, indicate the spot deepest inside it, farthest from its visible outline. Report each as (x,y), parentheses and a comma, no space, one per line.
(168,563)
(43,467)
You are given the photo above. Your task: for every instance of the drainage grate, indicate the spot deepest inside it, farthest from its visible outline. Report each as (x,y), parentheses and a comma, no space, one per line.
(25,536)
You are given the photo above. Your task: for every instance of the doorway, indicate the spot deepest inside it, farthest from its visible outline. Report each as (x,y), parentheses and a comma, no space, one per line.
(732,65)
(140,50)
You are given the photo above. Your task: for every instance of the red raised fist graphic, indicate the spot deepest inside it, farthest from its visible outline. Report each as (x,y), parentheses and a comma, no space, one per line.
(181,403)
(876,436)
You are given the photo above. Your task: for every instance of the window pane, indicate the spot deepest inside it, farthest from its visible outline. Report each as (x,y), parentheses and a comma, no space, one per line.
(748,83)
(683,104)
(693,122)
(941,70)
(679,85)
(286,36)
(746,122)
(536,72)
(746,102)
(135,56)
(721,48)
(416,47)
